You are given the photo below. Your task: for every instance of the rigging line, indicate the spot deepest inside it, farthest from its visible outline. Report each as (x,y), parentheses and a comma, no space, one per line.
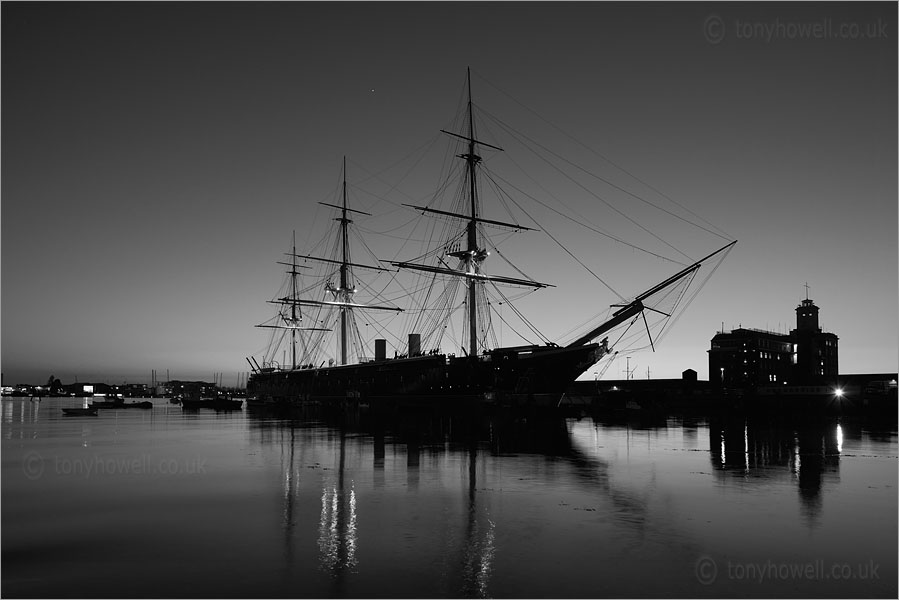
(406,293)
(377,174)
(580,185)
(490,175)
(435,251)
(392,187)
(567,251)
(417,321)
(392,229)
(428,324)
(394,237)
(378,213)
(508,262)
(371,290)
(430,227)
(361,348)
(631,324)
(387,333)
(670,323)
(361,240)
(582,218)
(484,323)
(725,235)
(439,320)
(585,325)
(520,315)
(510,326)
(397,341)
(500,194)
(444,323)
(698,289)
(621,189)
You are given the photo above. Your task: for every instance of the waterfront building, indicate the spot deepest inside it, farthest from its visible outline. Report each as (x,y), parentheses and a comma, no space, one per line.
(747,358)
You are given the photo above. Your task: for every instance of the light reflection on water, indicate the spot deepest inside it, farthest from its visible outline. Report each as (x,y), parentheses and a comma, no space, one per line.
(242,504)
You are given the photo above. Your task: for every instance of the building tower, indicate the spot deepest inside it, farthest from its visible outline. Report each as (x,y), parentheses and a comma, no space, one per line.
(815,352)
(807,316)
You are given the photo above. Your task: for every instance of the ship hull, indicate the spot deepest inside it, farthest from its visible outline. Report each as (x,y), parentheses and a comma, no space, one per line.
(523,376)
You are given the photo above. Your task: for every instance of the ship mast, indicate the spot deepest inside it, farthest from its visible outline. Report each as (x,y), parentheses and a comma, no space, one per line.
(341,295)
(472,159)
(293,306)
(344,283)
(293,320)
(472,256)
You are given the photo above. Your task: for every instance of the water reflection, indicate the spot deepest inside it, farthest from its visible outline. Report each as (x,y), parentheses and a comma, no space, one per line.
(479,538)
(408,446)
(435,505)
(337,525)
(807,452)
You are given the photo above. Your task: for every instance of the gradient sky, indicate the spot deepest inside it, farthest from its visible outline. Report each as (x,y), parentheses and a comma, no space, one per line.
(156,158)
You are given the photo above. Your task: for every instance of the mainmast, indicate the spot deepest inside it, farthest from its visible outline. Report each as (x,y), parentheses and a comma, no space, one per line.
(294,292)
(344,267)
(472,159)
(472,255)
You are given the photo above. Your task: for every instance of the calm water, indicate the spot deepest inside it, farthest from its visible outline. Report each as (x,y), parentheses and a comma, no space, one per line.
(166,503)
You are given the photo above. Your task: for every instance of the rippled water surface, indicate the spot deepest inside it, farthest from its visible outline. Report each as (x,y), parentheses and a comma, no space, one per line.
(168,503)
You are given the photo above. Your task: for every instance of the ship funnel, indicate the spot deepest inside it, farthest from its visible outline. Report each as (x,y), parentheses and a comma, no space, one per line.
(380,349)
(414,344)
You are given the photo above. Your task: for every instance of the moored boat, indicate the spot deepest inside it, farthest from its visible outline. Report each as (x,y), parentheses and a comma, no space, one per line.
(214,403)
(114,403)
(122,404)
(73,412)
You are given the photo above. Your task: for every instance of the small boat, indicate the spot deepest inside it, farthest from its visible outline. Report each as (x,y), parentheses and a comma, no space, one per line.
(72,412)
(113,403)
(144,404)
(216,403)
(122,404)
